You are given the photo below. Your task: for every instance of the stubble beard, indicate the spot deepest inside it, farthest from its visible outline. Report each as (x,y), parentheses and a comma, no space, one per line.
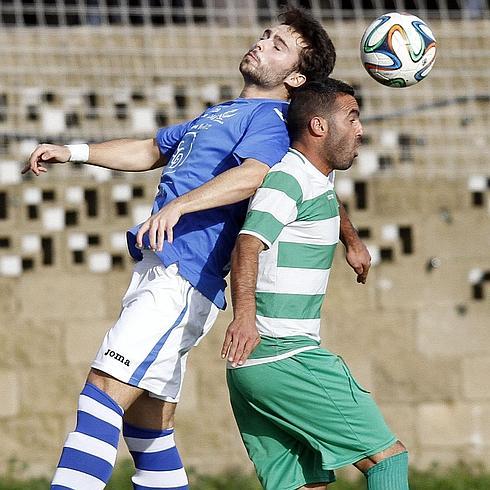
(338,154)
(261,76)
(344,163)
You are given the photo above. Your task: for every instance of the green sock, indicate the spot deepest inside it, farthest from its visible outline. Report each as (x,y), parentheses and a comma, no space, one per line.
(389,474)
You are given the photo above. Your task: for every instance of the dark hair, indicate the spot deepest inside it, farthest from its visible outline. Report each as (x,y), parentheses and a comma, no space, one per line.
(313,99)
(317,59)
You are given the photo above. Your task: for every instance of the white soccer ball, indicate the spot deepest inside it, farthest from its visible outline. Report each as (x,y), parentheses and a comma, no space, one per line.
(398,49)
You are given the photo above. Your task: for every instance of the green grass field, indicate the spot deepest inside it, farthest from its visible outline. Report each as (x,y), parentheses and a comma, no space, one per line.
(461,477)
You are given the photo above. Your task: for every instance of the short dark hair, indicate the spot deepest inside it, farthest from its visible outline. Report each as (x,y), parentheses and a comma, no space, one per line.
(313,99)
(317,59)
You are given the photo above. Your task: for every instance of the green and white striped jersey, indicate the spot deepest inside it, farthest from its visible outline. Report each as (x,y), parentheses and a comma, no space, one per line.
(296,214)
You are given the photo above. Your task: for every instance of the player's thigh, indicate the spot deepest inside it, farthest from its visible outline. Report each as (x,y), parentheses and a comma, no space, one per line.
(281,459)
(152,305)
(148,412)
(163,316)
(346,418)
(321,403)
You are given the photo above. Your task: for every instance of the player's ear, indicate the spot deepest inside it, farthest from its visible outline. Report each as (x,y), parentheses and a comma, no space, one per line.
(295,79)
(318,126)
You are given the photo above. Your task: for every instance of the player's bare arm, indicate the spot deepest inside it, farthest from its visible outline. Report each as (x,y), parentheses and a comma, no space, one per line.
(125,154)
(242,336)
(357,254)
(232,186)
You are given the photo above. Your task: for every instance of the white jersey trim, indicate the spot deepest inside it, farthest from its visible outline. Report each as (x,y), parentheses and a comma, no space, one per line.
(265,360)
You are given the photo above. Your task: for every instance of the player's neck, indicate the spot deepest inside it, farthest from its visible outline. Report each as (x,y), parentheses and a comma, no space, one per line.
(256,92)
(313,156)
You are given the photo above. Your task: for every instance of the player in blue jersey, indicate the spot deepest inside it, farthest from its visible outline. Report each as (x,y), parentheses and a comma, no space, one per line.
(212,164)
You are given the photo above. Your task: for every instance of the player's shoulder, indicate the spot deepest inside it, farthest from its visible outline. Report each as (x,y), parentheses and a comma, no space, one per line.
(291,164)
(254,111)
(311,180)
(293,167)
(275,110)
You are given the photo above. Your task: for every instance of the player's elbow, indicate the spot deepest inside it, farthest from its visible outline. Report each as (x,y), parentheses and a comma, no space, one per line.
(140,155)
(151,156)
(251,187)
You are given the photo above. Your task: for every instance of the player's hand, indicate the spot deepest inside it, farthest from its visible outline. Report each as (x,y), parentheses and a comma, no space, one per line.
(359,259)
(46,153)
(241,339)
(159,226)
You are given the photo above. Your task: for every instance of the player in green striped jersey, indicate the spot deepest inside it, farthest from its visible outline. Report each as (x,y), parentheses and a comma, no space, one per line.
(300,412)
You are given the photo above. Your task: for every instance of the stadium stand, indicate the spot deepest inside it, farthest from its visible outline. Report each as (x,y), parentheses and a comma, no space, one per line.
(420,193)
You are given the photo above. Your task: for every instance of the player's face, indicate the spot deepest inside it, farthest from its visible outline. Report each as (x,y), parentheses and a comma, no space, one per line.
(273,57)
(344,133)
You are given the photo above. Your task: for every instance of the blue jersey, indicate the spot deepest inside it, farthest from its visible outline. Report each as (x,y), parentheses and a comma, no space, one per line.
(197,151)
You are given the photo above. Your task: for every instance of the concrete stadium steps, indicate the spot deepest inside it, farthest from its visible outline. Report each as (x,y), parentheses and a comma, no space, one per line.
(416,334)
(103,83)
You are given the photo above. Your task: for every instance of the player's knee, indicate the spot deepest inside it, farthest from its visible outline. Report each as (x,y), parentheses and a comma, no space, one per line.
(366,464)
(151,413)
(393,450)
(390,472)
(122,393)
(398,448)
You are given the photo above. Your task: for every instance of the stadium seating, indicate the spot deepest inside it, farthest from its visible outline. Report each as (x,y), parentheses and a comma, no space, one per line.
(419,193)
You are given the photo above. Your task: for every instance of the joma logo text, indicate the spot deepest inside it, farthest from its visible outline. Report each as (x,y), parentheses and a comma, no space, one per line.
(117,357)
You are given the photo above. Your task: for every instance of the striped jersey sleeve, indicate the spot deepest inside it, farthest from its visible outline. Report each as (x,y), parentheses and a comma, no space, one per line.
(274,206)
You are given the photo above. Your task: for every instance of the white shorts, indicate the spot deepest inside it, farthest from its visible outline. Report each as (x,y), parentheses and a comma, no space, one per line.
(162,317)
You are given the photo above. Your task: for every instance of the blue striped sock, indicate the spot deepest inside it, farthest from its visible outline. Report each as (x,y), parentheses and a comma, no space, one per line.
(156,458)
(89,452)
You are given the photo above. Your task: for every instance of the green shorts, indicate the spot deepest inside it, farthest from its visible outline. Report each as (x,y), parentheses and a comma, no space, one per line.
(303,416)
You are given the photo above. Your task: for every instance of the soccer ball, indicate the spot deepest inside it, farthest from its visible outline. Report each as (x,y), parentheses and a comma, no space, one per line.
(398,49)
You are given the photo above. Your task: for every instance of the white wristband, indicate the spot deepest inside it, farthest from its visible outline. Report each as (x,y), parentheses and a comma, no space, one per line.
(79,153)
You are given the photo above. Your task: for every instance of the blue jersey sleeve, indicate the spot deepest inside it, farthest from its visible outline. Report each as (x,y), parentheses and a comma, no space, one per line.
(266,137)
(169,137)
